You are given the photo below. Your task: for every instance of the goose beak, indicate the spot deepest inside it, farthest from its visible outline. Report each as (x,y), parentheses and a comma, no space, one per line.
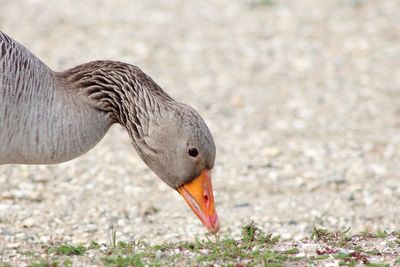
(198,194)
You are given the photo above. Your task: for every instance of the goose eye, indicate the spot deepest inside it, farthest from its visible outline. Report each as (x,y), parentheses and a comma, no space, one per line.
(193,152)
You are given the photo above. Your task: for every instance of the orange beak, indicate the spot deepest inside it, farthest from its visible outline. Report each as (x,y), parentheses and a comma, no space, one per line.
(198,194)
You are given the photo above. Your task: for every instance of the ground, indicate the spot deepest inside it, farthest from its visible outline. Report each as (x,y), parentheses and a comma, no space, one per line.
(302,97)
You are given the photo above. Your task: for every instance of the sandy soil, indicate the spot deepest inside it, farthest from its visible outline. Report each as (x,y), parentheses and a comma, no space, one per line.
(303,99)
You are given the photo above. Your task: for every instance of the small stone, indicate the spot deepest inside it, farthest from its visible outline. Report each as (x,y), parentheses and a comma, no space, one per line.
(44,239)
(13,245)
(241,205)
(310,249)
(310,175)
(270,152)
(335,178)
(20,235)
(78,240)
(158,254)
(29,222)
(237,101)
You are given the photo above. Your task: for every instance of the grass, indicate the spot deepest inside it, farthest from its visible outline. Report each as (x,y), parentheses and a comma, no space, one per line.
(257,3)
(69,250)
(253,248)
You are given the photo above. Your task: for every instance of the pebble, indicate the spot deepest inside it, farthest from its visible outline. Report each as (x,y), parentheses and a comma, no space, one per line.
(270,151)
(29,222)
(45,239)
(13,245)
(335,178)
(309,249)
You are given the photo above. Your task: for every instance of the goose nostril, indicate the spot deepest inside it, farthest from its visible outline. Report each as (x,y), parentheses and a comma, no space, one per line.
(206,199)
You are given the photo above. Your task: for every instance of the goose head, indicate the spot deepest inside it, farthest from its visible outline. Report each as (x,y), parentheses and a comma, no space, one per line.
(180,149)
(170,137)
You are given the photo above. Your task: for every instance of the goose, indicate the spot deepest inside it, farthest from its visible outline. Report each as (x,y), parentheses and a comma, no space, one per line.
(49,117)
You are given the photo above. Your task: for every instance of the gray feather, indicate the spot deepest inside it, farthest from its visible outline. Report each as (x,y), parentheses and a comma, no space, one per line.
(48,117)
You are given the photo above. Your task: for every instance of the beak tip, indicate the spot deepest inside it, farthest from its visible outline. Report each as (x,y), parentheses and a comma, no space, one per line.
(214,225)
(215,230)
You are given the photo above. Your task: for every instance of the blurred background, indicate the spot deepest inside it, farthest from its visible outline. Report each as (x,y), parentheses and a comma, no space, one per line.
(302,97)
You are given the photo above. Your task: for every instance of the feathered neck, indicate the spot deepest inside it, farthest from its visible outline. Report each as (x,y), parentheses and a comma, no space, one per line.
(120,89)
(123,91)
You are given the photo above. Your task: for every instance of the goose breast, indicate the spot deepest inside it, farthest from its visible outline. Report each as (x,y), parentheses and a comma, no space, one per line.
(39,122)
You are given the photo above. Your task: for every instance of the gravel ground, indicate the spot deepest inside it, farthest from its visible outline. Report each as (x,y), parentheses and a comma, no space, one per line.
(302,98)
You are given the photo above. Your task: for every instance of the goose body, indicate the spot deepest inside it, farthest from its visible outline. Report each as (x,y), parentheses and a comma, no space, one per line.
(49,117)
(41,122)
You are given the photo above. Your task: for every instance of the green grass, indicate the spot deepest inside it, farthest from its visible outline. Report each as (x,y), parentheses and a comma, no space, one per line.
(338,238)
(381,234)
(52,263)
(69,250)
(253,248)
(123,260)
(257,3)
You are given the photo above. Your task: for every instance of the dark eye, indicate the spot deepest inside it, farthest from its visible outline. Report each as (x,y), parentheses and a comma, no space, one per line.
(193,152)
